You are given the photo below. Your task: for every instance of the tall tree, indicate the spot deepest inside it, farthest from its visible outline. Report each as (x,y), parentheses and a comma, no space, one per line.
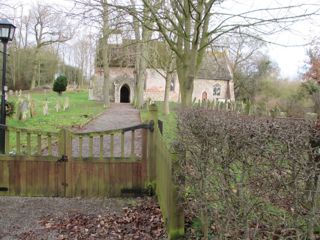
(243,53)
(142,35)
(96,13)
(48,27)
(162,60)
(189,26)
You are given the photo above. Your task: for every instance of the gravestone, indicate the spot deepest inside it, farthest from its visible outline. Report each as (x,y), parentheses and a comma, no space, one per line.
(66,104)
(24,110)
(45,108)
(57,106)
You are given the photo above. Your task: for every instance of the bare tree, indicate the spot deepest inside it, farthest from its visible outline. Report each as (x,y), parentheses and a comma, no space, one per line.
(243,54)
(82,53)
(162,59)
(142,35)
(96,13)
(48,27)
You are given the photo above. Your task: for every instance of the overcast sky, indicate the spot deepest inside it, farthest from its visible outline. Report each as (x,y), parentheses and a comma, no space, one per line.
(289,59)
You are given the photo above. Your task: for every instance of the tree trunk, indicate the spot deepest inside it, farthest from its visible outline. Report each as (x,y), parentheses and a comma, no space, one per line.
(166,108)
(105,58)
(142,69)
(186,87)
(186,69)
(35,69)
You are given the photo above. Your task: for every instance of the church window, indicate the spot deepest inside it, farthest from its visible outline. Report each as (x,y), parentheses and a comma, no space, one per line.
(216,90)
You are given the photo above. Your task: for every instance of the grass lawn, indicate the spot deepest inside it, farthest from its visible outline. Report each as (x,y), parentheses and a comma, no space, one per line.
(80,111)
(169,121)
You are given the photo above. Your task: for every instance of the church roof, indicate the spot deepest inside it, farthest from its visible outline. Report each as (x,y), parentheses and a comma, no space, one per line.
(214,66)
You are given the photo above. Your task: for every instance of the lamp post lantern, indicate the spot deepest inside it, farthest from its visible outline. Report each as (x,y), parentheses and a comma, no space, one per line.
(7,30)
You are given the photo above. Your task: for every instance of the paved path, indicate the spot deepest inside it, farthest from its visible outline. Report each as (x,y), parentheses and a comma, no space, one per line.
(119,115)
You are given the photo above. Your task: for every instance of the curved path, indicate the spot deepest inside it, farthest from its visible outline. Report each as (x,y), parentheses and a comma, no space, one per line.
(119,115)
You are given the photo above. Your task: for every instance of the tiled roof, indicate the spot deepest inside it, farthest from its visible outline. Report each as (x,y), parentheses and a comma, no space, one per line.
(214,67)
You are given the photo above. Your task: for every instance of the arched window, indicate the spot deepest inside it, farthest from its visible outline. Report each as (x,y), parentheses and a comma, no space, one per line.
(216,90)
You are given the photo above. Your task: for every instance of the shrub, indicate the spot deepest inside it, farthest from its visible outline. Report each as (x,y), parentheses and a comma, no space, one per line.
(60,84)
(248,177)
(10,108)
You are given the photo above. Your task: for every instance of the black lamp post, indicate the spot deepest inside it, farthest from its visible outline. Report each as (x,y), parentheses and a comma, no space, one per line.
(6,34)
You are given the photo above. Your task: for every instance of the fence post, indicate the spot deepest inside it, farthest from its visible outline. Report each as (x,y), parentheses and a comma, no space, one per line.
(175,210)
(152,143)
(65,144)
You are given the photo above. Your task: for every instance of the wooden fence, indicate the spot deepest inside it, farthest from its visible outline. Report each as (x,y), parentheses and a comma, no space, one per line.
(93,164)
(163,175)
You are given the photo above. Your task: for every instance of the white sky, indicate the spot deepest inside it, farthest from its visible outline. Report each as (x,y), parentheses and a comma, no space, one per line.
(289,59)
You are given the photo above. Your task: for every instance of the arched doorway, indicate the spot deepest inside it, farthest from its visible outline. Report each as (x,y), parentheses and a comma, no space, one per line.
(125,94)
(204,96)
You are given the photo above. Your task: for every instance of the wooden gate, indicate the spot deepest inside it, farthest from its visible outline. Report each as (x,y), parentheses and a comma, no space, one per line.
(94,164)
(70,164)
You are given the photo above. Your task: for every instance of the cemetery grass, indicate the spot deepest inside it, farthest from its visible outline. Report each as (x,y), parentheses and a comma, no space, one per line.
(80,111)
(169,121)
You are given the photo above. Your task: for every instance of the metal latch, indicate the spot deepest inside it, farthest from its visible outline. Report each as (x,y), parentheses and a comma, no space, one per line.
(64,158)
(4,189)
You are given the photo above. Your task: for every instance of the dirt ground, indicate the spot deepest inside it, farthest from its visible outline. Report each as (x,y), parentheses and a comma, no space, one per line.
(56,218)
(20,215)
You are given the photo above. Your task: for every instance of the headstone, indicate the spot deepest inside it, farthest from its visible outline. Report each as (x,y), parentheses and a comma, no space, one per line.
(45,108)
(66,104)
(32,107)
(57,106)
(24,109)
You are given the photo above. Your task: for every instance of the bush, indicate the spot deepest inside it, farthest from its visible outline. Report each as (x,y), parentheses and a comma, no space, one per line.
(60,84)
(10,108)
(248,177)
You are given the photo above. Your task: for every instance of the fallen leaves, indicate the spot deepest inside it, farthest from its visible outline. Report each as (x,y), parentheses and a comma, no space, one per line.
(143,222)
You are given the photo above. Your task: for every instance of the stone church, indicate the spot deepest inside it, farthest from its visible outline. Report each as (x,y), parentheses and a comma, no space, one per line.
(213,82)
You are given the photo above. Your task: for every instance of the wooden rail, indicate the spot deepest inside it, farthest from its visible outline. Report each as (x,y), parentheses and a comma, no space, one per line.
(21,141)
(107,144)
(77,145)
